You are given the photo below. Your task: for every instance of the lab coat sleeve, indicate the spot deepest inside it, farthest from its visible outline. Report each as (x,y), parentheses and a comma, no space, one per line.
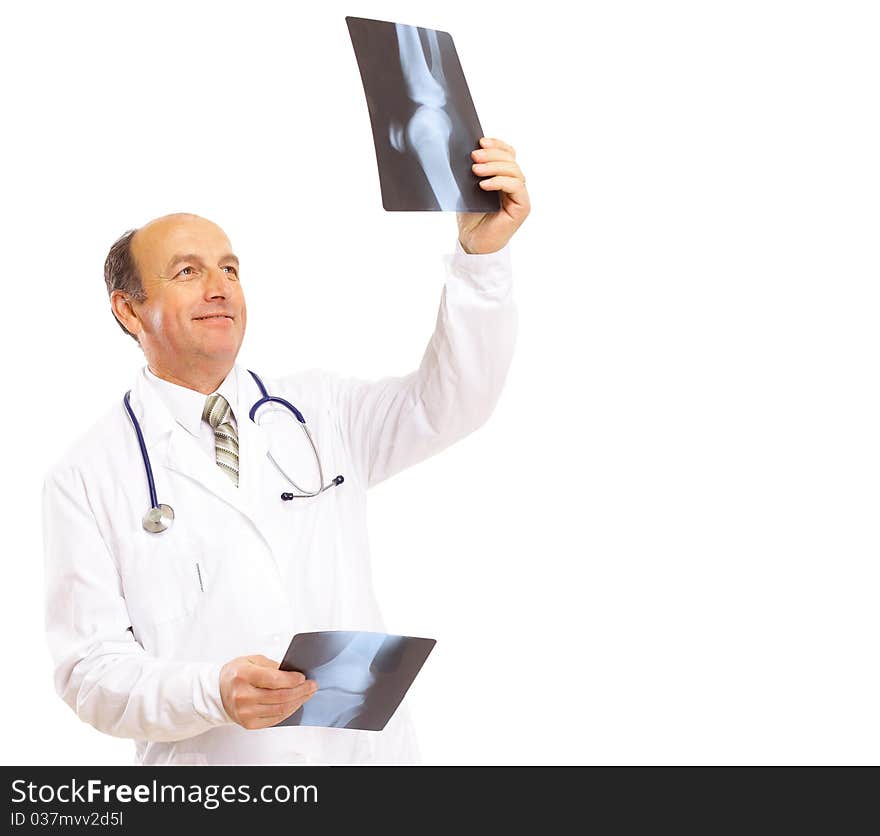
(100,670)
(395,422)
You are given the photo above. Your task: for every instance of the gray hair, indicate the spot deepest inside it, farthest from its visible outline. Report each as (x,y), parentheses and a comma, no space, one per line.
(121,273)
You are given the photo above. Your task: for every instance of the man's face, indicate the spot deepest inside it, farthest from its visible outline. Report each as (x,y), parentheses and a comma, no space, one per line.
(195,310)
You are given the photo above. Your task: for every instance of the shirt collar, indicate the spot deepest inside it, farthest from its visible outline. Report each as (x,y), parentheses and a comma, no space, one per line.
(187,405)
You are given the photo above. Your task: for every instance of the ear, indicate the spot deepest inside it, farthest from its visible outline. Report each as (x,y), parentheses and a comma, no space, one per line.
(125,313)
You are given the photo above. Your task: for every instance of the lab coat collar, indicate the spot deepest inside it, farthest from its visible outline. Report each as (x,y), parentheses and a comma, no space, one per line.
(171,446)
(151,411)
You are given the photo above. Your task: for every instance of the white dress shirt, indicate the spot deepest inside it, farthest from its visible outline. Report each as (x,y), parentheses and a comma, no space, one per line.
(187,405)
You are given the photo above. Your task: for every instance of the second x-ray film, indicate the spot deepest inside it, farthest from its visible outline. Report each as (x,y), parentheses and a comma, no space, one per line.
(362,677)
(424,121)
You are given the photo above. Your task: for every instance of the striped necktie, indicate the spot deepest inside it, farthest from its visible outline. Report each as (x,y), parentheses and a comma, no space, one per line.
(217,414)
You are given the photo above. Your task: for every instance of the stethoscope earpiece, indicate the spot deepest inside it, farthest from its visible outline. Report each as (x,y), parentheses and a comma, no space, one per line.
(338,480)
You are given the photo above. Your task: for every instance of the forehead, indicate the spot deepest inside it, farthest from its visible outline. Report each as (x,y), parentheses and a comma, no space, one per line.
(156,243)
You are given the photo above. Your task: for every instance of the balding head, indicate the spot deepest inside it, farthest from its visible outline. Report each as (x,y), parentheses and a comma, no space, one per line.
(174,286)
(121,271)
(158,229)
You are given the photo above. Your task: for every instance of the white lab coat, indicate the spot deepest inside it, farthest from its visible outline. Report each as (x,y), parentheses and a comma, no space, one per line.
(138,633)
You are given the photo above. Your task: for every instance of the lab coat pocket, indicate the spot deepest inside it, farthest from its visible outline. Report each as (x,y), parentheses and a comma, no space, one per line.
(164,578)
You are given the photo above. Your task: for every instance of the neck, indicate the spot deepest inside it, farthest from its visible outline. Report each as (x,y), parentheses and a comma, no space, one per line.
(202,380)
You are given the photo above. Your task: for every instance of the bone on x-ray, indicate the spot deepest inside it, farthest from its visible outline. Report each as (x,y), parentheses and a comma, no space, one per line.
(424,121)
(362,676)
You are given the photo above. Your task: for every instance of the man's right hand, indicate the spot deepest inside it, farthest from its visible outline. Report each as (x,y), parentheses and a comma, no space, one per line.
(256,694)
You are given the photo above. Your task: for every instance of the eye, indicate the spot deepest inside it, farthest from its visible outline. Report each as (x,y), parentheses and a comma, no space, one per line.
(183,273)
(230,267)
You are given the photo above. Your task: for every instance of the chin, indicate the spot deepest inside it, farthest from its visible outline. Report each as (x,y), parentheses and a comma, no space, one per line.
(219,349)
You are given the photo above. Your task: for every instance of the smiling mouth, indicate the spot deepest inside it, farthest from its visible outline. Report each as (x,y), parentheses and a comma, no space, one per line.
(214,316)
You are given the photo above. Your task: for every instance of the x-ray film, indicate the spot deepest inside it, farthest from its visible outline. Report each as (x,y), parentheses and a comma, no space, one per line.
(424,122)
(362,677)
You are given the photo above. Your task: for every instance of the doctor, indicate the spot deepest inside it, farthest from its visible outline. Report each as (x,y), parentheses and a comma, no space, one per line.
(172,637)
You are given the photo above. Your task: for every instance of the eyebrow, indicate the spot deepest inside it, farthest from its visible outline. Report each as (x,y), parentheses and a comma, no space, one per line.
(193,257)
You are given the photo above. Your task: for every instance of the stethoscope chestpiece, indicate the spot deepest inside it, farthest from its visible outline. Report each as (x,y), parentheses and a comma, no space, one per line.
(158,519)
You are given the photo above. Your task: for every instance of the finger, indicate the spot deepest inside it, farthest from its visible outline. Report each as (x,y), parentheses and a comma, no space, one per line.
(274,696)
(283,710)
(505,167)
(262,661)
(483,155)
(492,142)
(510,185)
(277,696)
(268,678)
(277,715)
(266,720)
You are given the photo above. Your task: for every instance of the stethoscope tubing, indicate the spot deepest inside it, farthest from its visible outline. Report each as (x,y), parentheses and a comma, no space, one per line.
(159,517)
(151,485)
(267,398)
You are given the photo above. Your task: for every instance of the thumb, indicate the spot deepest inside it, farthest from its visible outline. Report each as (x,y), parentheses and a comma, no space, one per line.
(263,662)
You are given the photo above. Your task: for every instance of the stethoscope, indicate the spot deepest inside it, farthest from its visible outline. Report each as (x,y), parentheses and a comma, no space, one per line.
(160,516)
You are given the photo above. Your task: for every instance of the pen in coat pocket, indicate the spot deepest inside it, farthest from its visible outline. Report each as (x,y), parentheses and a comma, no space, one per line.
(199,573)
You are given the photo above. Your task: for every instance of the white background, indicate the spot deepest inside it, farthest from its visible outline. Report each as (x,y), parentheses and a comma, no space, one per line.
(663,546)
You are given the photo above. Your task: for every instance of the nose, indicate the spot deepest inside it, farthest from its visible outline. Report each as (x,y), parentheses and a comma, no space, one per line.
(216,283)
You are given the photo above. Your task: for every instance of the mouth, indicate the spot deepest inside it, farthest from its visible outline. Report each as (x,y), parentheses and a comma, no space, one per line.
(214,316)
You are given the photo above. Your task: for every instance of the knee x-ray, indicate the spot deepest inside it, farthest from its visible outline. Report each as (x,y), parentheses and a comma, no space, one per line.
(424,122)
(362,677)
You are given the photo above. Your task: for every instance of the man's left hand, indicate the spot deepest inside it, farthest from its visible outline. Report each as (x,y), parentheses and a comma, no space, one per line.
(489,232)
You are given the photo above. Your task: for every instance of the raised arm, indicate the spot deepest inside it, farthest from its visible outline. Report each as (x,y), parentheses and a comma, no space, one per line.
(393,423)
